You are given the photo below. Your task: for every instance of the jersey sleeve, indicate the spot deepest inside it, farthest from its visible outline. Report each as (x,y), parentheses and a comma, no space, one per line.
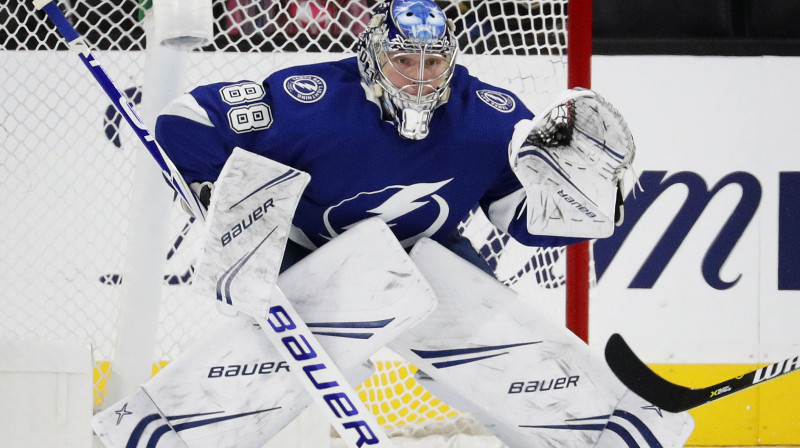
(198,130)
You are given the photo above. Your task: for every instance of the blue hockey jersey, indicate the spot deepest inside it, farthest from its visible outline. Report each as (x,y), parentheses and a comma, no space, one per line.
(320,119)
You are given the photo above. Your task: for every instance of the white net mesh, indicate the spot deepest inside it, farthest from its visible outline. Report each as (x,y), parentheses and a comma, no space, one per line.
(67,165)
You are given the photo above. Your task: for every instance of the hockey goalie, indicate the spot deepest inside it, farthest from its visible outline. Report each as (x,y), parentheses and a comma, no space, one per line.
(334,192)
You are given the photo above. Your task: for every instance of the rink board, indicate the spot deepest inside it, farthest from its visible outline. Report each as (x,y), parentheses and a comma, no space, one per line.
(703,279)
(762,415)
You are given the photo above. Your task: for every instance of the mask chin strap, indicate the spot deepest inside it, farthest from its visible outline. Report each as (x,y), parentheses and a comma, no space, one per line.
(414,124)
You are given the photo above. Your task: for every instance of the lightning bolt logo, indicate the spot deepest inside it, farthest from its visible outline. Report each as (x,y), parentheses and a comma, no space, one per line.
(307,86)
(404,201)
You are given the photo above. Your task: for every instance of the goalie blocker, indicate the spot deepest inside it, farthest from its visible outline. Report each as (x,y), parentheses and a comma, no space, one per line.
(570,159)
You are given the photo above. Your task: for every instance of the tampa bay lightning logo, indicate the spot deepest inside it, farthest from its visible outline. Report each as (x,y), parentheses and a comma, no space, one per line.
(305,88)
(498,100)
(417,207)
(419,19)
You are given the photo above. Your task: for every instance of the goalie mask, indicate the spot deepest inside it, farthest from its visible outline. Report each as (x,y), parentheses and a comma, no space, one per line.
(407,57)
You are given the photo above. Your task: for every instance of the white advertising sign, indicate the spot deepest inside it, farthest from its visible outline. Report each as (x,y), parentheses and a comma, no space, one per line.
(706,267)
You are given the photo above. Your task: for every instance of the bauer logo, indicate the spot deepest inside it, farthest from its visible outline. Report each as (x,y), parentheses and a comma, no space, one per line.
(320,376)
(525,387)
(245,223)
(305,88)
(264,368)
(574,202)
(498,100)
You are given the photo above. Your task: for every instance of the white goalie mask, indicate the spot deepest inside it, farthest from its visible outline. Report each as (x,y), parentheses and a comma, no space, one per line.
(407,57)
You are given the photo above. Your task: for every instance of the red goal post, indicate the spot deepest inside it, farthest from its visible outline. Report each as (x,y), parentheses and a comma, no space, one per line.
(579,74)
(70,173)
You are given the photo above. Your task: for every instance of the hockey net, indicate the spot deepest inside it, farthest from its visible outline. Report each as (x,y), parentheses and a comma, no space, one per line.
(68,167)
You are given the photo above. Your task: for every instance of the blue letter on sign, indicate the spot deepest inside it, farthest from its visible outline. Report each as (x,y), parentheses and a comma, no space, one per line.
(654,184)
(789,232)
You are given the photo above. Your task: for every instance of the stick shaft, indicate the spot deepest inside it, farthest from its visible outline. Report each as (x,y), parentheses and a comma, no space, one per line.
(320,376)
(125,108)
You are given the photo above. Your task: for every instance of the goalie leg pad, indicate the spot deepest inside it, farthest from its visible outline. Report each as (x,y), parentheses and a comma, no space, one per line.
(636,419)
(222,390)
(355,293)
(492,354)
(136,422)
(248,223)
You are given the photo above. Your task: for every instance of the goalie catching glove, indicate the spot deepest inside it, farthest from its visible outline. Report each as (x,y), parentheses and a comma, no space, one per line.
(570,159)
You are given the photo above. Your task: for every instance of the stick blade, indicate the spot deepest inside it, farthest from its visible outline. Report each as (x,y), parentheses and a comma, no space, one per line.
(646,383)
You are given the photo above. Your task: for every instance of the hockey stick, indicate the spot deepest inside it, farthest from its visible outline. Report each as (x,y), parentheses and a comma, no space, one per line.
(287,331)
(125,108)
(287,328)
(673,397)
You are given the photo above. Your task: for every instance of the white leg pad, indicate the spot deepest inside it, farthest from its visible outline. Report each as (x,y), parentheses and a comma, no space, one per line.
(490,353)
(232,389)
(636,419)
